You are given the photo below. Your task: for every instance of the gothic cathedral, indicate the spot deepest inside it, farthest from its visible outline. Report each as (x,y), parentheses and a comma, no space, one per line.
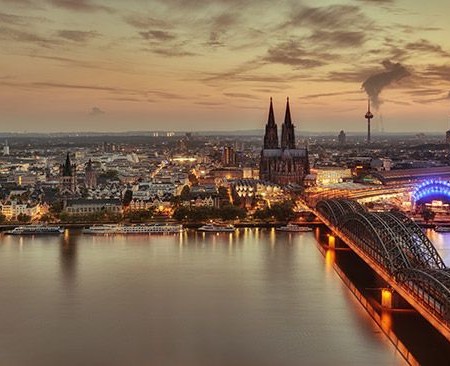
(282,164)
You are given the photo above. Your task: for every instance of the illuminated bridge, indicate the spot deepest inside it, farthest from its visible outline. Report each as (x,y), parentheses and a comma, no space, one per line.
(396,248)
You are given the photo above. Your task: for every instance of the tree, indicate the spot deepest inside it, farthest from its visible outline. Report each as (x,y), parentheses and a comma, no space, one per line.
(197,214)
(127,197)
(223,193)
(232,212)
(23,218)
(185,194)
(56,207)
(193,179)
(140,215)
(2,218)
(310,217)
(428,215)
(279,211)
(64,216)
(181,213)
(46,218)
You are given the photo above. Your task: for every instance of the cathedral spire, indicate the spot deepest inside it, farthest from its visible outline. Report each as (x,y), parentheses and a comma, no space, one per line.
(287,130)
(287,116)
(271,119)
(67,167)
(271,135)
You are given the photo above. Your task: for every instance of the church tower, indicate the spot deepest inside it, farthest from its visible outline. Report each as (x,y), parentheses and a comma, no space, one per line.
(90,175)
(68,179)
(287,130)
(271,135)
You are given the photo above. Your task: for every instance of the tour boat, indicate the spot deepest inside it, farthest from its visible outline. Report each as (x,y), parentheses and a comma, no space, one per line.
(442,229)
(146,229)
(213,228)
(36,230)
(292,228)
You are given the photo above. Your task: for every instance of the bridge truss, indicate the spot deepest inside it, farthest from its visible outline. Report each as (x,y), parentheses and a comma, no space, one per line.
(399,247)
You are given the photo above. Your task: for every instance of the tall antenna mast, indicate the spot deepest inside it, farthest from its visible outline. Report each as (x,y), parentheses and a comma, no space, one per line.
(368,116)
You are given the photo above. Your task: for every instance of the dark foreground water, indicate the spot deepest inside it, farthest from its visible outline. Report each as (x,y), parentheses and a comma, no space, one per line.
(250,298)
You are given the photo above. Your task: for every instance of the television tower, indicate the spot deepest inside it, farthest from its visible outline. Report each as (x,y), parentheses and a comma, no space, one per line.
(368,116)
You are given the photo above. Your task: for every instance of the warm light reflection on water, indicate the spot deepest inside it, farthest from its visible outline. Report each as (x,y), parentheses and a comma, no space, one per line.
(330,257)
(386,320)
(252,297)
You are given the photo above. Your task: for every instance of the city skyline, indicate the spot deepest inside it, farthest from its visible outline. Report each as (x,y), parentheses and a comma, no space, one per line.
(212,65)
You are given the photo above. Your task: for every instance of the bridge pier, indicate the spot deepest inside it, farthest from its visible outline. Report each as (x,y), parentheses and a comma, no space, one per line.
(391,300)
(334,242)
(387,298)
(331,241)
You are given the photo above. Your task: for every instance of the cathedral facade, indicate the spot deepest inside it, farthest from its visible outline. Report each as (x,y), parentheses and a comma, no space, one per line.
(282,163)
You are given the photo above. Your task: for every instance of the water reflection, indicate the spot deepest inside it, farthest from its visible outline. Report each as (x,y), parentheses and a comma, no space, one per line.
(330,258)
(68,257)
(253,297)
(441,242)
(386,320)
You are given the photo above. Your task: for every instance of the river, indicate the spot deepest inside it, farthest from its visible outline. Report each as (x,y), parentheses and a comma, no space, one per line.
(255,297)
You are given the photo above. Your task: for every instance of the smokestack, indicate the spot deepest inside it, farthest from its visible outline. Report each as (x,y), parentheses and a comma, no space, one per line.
(376,83)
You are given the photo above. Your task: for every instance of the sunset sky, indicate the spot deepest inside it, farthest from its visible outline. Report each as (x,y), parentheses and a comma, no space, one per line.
(116,65)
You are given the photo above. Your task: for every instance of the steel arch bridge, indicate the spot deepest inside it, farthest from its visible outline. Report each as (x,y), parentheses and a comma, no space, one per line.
(398,250)
(335,210)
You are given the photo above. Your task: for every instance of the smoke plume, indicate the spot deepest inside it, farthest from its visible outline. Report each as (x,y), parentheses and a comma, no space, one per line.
(375,84)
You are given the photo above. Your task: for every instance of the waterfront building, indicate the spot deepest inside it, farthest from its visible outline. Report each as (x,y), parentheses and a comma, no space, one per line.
(202,200)
(140,204)
(282,163)
(89,206)
(12,208)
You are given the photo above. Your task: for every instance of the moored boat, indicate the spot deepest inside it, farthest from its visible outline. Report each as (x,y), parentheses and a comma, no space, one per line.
(36,230)
(143,229)
(214,228)
(442,229)
(292,228)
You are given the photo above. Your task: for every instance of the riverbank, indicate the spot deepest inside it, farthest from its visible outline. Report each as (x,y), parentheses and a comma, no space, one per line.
(188,225)
(191,225)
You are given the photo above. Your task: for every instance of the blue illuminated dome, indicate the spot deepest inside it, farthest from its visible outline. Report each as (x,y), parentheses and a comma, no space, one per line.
(432,190)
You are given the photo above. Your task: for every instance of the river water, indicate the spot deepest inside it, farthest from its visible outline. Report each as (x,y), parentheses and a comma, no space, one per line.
(255,297)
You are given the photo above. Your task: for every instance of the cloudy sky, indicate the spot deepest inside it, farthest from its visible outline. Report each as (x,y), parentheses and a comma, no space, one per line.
(98,65)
